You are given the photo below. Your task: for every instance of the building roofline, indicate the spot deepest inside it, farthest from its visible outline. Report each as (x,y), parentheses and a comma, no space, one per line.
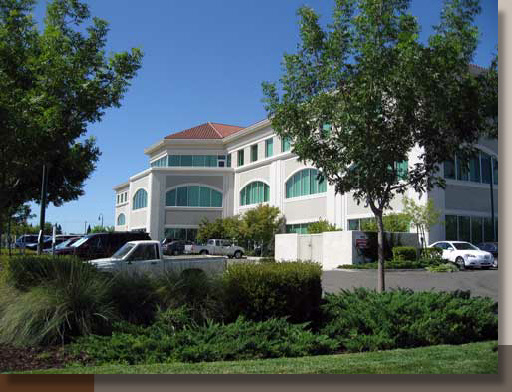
(123,185)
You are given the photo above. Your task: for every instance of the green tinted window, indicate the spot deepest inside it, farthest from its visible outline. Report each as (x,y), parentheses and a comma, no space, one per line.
(488,230)
(174,160)
(474,169)
(140,199)
(170,198)
(449,169)
(121,220)
(228,163)
(495,170)
(182,197)
(486,167)
(476,230)
(306,182)
(464,228)
(198,160)
(269,148)
(193,196)
(254,153)
(451,227)
(186,160)
(216,200)
(462,170)
(254,193)
(205,196)
(240,157)
(326,130)
(285,144)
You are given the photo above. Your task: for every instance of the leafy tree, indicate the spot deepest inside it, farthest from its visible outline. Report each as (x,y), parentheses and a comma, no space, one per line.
(260,224)
(321,226)
(53,84)
(393,223)
(208,230)
(101,229)
(361,93)
(423,217)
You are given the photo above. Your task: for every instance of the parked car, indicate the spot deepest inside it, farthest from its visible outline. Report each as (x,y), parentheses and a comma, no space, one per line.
(174,247)
(217,247)
(63,244)
(97,245)
(29,241)
(464,254)
(147,256)
(491,247)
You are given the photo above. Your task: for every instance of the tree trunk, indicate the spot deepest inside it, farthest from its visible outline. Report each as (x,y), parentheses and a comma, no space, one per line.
(381,287)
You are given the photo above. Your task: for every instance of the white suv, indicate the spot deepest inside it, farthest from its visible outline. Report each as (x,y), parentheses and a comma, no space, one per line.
(464,254)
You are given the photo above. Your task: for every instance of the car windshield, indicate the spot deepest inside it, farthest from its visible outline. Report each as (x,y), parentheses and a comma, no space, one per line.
(464,246)
(66,243)
(123,251)
(80,242)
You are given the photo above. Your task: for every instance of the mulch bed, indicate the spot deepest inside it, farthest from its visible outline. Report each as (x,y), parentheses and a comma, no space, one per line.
(15,359)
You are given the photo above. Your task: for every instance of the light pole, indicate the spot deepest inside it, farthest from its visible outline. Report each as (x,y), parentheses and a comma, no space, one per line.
(100,217)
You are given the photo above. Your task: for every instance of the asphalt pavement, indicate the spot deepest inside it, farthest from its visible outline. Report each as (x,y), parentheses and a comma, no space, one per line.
(479,282)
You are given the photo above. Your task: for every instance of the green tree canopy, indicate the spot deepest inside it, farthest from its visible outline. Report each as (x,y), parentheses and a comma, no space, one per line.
(53,84)
(363,92)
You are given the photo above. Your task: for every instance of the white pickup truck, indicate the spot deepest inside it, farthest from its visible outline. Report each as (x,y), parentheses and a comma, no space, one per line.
(147,256)
(216,247)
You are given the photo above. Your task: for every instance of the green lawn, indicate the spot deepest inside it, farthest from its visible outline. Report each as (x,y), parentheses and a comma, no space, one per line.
(464,359)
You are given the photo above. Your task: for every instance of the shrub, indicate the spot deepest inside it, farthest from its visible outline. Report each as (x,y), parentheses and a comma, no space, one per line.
(321,226)
(202,294)
(447,267)
(388,264)
(404,253)
(366,320)
(273,290)
(75,301)
(24,272)
(135,297)
(431,256)
(242,339)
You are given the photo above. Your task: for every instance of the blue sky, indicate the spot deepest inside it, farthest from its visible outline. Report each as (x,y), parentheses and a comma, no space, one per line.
(204,61)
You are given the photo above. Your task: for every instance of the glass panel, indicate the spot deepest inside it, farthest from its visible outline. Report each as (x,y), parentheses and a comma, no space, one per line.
(464,228)
(486,167)
(488,231)
(229,160)
(313,187)
(261,192)
(254,192)
(451,227)
(296,185)
(173,160)
(170,198)
(240,157)
(216,198)
(326,130)
(248,194)
(181,196)
(474,169)
(242,197)
(254,153)
(401,169)
(289,188)
(306,182)
(267,193)
(193,196)
(476,230)
(462,170)
(285,144)
(186,160)
(269,148)
(198,160)
(211,161)
(322,185)
(495,170)
(204,197)
(353,224)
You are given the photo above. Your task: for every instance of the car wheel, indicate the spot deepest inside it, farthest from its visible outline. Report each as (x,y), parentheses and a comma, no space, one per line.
(203,252)
(238,254)
(460,262)
(495,263)
(175,252)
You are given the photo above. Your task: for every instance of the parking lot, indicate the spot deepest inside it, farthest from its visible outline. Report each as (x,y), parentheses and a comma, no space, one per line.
(479,282)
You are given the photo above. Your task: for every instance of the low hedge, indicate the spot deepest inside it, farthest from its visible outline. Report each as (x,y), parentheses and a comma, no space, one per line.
(363,319)
(273,290)
(388,264)
(404,253)
(179,341)
(24,272)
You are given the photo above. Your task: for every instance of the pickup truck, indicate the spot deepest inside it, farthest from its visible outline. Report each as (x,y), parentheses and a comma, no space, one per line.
(216,247)
(147,256)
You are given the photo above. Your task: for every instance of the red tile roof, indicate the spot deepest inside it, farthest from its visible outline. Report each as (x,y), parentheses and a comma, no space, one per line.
(206,131)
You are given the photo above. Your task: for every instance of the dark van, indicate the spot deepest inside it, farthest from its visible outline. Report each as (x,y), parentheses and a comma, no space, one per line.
(100,245)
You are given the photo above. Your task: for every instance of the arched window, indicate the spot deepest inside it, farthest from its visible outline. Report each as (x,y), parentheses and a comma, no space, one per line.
(305,182)
(140,199)
(254,193)
(121,220)
(193,196)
